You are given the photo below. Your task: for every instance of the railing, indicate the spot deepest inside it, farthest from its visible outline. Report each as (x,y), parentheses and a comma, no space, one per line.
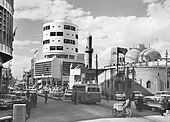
(6,119)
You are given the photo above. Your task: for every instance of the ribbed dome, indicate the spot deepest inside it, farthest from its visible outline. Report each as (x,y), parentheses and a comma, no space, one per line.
(149,55)
(132,55)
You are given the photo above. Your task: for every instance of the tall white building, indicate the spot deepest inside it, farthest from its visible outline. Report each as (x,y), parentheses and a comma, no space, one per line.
(60,51)
(60,40)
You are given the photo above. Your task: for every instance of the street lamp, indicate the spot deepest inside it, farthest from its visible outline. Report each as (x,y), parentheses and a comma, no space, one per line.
(48,75)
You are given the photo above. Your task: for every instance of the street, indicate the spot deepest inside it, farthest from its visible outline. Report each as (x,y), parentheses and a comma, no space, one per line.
(66,111)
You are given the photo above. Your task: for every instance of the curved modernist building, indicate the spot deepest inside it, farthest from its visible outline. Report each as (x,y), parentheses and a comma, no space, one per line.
(6,31)
(60,52)
(60,40)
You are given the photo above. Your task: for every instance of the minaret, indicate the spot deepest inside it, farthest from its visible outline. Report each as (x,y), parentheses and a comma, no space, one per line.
(89,51)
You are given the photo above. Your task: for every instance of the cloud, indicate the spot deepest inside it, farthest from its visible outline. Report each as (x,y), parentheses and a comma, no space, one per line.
(46,10)
(22,43)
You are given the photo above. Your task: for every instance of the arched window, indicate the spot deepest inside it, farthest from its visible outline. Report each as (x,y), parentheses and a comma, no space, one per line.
(148,84)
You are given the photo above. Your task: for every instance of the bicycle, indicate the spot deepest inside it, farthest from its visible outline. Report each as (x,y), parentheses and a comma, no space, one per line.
(118,109)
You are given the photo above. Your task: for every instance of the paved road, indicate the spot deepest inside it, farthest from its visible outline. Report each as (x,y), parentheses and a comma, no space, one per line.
(66,111)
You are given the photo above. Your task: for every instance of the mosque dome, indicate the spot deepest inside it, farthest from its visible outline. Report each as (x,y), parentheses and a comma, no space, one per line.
(132,55)
(149,55)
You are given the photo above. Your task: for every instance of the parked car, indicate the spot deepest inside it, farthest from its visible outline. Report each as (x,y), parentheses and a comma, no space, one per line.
(58,93)
(119,95)
(137,94)
(22,95)
(160,93)
(8,100)
(152,103)
(68,94)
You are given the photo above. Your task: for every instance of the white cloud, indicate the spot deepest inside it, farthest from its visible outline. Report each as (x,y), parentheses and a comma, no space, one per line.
(22,43)
(46,10)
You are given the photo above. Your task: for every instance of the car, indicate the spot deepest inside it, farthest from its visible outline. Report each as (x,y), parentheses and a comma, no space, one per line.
(58,93)
(153,103)
(22,95)
(119,95)
(8,100)
(160,93)
(68,94)
(137,94)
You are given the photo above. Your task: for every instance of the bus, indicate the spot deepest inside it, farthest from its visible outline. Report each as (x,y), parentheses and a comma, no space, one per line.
(90,93)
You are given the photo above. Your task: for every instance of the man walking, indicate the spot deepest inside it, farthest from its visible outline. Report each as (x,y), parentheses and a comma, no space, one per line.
(75,97)
(28,107)
(46,95)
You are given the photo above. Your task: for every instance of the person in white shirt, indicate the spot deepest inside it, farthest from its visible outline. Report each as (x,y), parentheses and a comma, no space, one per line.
(126,104)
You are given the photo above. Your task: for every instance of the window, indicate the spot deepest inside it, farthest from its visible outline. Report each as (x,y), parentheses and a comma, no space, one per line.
(76,36)
(46,41)
(71,56)
(52,47)
(148,84)
(52,33)
(48,27)
(73,28)
(67,41)
(59,47)
(76,50)
(67,27)
(72,42)
(59,33)
(56,47)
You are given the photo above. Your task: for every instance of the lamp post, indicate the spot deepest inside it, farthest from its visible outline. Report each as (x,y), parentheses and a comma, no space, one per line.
(48,75)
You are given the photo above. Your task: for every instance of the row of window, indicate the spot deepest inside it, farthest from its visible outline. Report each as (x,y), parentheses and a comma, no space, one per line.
(60,48)
(66,41)
(61,34)
(67,27)
(60,56)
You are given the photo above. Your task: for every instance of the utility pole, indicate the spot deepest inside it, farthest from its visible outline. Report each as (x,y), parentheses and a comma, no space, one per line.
(166,58)
(96,69)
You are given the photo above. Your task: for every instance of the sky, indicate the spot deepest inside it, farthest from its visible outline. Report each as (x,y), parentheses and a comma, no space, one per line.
(111,23)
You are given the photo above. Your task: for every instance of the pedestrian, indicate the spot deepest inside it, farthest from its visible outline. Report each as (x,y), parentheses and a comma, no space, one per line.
(32,101)
(28,107)
(28,94)
(107,97)
(164,104)
(35,97)
(140,103)
(46,95)
(75,97)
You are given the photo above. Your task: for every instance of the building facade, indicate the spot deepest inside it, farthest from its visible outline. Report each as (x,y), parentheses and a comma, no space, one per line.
(6,32)
(144,70)
(60,51)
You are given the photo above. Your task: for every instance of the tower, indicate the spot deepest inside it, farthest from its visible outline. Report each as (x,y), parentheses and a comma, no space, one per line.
(89,51)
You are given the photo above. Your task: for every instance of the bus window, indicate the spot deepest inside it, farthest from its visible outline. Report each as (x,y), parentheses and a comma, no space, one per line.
(93,89)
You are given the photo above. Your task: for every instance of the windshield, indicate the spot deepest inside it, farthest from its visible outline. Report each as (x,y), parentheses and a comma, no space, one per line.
(91,89)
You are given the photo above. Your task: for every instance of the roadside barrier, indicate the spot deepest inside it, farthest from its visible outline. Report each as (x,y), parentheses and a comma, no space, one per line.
(19,113)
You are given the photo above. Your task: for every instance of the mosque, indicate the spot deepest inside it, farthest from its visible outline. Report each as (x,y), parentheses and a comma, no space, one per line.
(140,69)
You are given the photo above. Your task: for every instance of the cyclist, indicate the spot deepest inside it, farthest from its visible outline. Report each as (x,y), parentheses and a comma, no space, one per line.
(126,104)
